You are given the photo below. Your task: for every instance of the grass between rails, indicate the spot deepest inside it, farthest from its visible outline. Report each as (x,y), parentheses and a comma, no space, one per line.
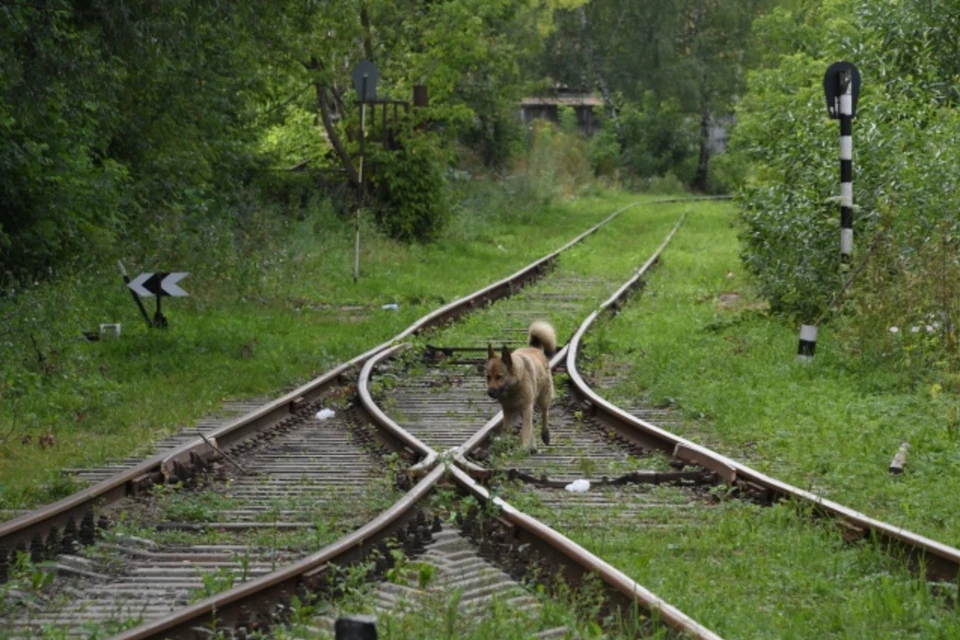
(266,325)
(604,262)
(831,426)
(746,571)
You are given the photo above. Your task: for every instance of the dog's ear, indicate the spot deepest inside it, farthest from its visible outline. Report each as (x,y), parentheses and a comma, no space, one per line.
(507,360)
(490,354)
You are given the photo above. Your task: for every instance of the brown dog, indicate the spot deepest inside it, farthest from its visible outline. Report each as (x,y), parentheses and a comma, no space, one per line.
(520,379)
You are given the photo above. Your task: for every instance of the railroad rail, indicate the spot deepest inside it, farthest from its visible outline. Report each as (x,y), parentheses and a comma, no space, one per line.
(62,526)
(938,561)
(33,530)
(429,443)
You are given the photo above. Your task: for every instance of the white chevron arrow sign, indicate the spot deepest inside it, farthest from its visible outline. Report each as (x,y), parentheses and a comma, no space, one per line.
(158,284)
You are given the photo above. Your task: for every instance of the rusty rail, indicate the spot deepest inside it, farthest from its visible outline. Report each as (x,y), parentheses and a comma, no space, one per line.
(404,438)
(562,356)
(261,597)
(941,562)
(265,593)
(76,511)
(579,562)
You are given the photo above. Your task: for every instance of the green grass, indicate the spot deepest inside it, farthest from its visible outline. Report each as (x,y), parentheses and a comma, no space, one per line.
(251,329)
(747,571)
(831,426)
(611,255)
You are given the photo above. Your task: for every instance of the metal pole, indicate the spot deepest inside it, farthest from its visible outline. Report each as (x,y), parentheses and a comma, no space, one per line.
(846,166)
(159,320)
(136,298)
(356,238)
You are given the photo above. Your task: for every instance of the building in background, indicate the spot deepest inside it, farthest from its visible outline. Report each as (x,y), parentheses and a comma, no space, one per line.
(545,107)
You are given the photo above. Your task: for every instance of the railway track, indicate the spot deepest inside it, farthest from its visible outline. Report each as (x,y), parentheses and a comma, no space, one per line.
(638,470)
(215,532)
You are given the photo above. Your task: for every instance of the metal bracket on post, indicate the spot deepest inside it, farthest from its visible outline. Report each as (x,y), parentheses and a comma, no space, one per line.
(136,298)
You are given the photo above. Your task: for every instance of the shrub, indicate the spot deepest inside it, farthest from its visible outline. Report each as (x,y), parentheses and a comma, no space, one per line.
(412,203)
(906,141)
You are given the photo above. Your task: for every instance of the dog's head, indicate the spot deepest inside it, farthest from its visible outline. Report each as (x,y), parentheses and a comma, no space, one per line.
(499,372)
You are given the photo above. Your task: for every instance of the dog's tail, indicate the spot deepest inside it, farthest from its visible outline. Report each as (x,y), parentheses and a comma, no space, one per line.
(544,337)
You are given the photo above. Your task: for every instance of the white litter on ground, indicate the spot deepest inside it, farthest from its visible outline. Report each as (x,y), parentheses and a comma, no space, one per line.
(391,307)
(326,414)
(578,486)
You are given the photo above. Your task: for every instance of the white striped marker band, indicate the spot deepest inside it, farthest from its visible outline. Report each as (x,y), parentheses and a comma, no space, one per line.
(846,173)
(808,342)
(846,241)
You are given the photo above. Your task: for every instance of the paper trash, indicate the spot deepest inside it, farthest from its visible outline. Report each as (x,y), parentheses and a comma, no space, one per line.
(578,486)
(326,414)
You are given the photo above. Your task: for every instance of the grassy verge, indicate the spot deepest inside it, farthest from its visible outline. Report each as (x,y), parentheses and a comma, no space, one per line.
(253,329)
(700,340)
(747,571)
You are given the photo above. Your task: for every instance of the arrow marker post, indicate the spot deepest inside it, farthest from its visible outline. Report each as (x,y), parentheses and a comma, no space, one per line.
(159,285)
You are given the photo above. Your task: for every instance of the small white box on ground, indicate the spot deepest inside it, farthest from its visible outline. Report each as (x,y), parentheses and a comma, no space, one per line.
(109,330)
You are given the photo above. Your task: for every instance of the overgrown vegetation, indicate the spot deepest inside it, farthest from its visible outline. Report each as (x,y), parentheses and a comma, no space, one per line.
(666,73)
(906,137)
(248,329)
(158,132)
(701,340)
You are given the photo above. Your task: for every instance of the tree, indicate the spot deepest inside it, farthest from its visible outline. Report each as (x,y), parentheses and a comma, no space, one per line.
(691,52)
(906,140)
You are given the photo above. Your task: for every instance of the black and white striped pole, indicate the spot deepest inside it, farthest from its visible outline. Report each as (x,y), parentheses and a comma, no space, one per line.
(841,86)
(808,342)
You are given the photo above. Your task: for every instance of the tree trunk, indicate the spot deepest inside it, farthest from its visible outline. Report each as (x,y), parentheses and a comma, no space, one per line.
(703,164)
(367,40)
(594,66)
(334,137)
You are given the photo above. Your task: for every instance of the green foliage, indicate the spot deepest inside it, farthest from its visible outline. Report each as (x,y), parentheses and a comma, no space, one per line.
(666,67)
(149,131)
(657,140)
(604,150)
(567,119)
(905,153)
(557,165)
(411,190)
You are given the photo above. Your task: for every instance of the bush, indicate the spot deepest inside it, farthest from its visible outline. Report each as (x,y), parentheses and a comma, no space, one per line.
(906,150)
(556,165)
(604,150)
(411,195)
(657,139)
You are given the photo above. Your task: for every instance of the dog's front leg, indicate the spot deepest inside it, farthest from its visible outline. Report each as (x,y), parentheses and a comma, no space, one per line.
(526,429)
(509,422)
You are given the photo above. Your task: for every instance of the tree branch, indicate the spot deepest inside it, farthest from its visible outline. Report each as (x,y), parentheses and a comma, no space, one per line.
(334,137)
(365,23)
